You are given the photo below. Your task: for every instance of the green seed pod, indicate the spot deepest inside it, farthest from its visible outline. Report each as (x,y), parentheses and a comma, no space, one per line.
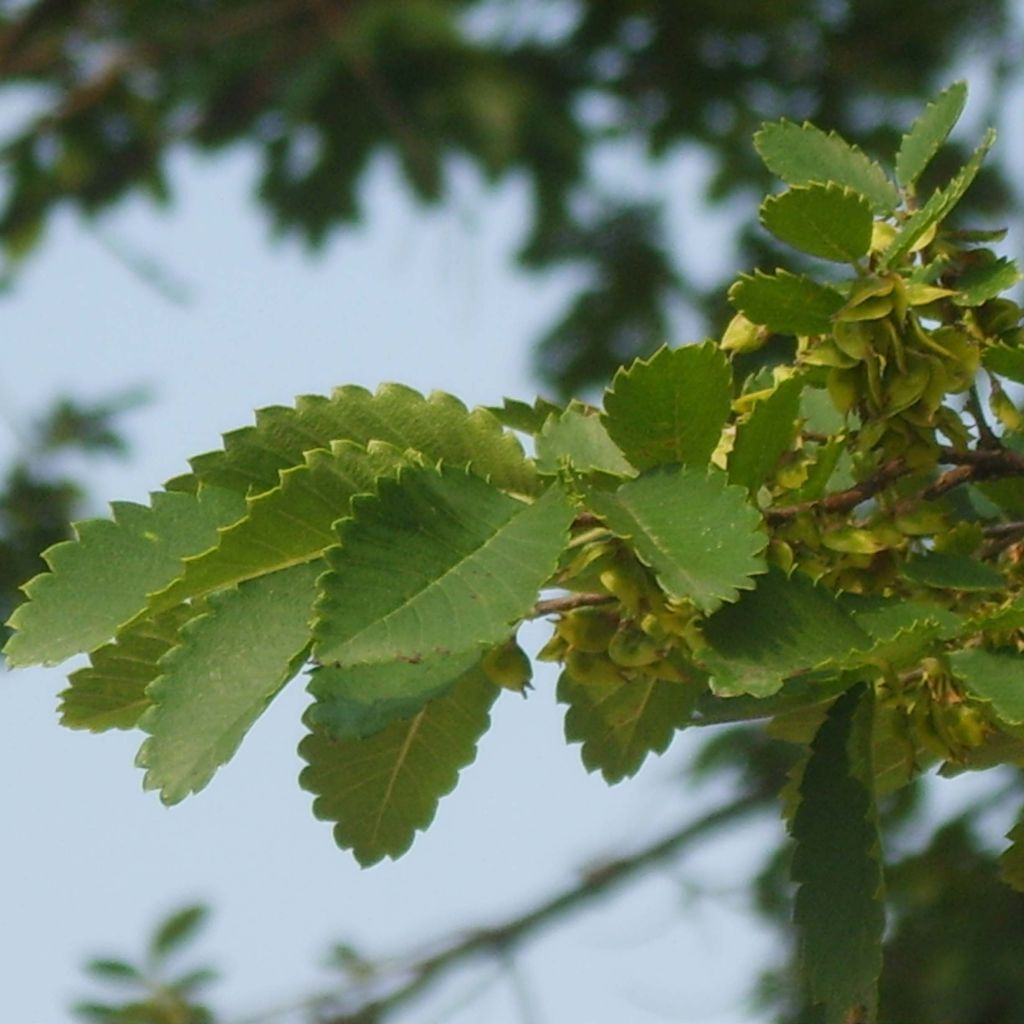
(508,666)
(588,629)
(632,648)
(593,668)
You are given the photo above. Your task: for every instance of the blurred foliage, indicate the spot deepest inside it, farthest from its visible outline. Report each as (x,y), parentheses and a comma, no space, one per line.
(40,493)
(108,92)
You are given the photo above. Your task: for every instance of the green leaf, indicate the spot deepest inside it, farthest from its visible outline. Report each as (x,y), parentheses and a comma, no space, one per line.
(291,524)
(928,133)
(953,572)
(985,282)
(763,437)
(439,426)
(360,700)
(528,419)
(438,562)
(804,155)
(579,438)
(786,303)
(902,631)
(177,930)
(697,532)
(784,627)
(110,693)
(99,581)
(620,723)
(839,912)
(994,676)
(1005,361)
(115,971)
(671,407)
(828,221)
(938,207)
(230,664)
(1011,863)
(381,789)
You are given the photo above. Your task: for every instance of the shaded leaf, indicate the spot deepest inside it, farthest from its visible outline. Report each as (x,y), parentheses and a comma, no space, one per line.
(381,789)
(953,572)
(783,627)
(1011,863)
(116,971)
(671,407)
(177,930)
(438,562)
(1006,361)
(230,664)
(828,221)
(99,581)
(839,912)
(804,155)
(786,303)
(765,434)
(619,724)
(521,416)
(986,282)
(994,676)
(696,531)
(579,438)
(929,132)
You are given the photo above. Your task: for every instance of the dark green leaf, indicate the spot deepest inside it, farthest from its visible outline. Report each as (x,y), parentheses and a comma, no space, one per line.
(929,132)
(786,303)
(765,435)
(177,930)
(1005,361)
(828,221)
(579,438)
(994,676)
(953,572)
(986,282)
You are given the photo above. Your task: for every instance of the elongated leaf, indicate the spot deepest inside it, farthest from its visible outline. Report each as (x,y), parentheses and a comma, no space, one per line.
(953,572)
(360,700)
(837,865)
(580,439)
(290,524)
(518,415)
(439,562)
(1007,362)
(783,627)
(671,407)
(767,432)
(231,663)
(786,303)
(177,930)
(697,532)
(986,282)
(110,693)
(994,676)
(619,724)
(938,207)
(828,221)
(1011,863)
(439,426)
(381,789)
(98,582)
(804,154)
(929,132)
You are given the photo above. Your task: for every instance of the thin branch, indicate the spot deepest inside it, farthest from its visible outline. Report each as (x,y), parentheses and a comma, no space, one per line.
(554,605)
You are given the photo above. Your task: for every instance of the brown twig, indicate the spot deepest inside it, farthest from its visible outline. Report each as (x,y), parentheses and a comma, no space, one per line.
(555,605)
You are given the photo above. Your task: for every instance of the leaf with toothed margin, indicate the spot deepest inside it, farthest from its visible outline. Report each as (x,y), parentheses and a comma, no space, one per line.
(380,790)
(521,416)
(620,723)
(110,693)
(437,562)
(671,407)
(99,581)
(578,438)
(929,132)
(839,911)
(786,303)
(231,662)
(697,532)
(440,427)
(763,437)
(824,220)
(994,676)
(290,524)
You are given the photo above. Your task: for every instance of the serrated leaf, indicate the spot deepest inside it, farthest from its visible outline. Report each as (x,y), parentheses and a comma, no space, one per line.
(381,789)
(828,221)
(783,627)
(953,572)
(786,303)
(839,912)
(1005,361)
(518,415)
(671,407)
(929,132)
(1011,863)
(438,562)
(110,693)
(177,930)
(901,631)
(230,664)
(439,426)
(579,438)
(994,676)
(99,581)
(619,724)
(696,531)
(938,207)
(291,524)
(765,435)
(359,700)
(804,155)
(982,283)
